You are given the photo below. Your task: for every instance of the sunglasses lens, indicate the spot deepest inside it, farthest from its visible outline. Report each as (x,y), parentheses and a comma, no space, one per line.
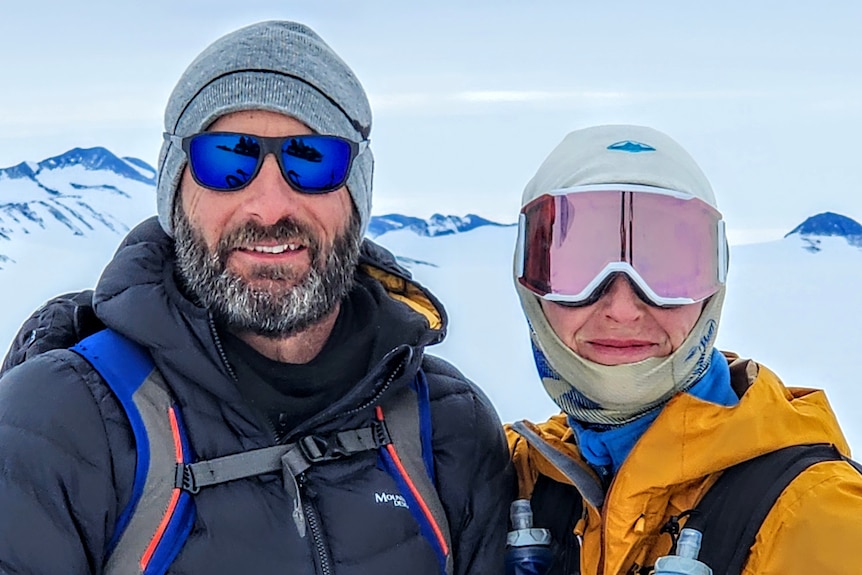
(223,161)
(316,164)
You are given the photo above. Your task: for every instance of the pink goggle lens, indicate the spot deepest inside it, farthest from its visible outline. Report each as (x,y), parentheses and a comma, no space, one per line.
(670,245)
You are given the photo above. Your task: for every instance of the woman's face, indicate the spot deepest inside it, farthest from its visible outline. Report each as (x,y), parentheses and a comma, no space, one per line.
(621,328)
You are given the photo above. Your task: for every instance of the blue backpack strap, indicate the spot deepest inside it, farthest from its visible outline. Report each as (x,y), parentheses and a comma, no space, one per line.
(410,460)
(147,537)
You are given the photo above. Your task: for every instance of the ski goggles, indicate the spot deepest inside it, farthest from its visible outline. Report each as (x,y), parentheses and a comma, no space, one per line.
(572,242)
(228,162)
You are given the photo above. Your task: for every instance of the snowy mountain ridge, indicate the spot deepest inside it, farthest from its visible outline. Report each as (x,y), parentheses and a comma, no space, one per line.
(436,225)
(827,224)
(81,192)
(91,159)
(89,191)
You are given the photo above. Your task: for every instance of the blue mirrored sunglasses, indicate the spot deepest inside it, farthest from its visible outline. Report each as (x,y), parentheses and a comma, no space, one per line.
(227,162)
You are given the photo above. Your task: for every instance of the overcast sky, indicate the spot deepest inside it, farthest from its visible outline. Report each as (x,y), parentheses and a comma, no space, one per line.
(469,97)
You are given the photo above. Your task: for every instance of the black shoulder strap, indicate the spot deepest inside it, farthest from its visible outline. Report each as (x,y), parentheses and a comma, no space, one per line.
(732,511)
(557,507)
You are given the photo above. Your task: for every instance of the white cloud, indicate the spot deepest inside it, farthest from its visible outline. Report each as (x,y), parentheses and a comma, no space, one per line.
(457,101)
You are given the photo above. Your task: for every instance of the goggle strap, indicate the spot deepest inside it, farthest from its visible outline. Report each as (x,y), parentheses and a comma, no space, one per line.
(520,246)
(723,255)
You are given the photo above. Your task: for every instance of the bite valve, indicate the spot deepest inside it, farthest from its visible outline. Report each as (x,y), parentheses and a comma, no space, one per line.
(685,561)
(523,533)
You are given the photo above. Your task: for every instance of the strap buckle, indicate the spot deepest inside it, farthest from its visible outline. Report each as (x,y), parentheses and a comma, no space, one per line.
(381,433)
(316,448)
(185,479)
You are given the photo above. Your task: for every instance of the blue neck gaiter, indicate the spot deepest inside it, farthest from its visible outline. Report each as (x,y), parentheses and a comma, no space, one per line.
(606,448)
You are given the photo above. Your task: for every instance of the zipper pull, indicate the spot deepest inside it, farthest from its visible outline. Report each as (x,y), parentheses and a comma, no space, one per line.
(292,487)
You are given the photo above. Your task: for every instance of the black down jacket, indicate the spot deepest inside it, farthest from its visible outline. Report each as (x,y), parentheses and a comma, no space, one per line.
(67,455)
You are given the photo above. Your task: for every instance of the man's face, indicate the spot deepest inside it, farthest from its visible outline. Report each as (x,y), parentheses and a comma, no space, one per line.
(621,328)
(265,259)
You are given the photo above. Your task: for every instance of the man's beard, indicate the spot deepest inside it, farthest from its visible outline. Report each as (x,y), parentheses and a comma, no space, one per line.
(284,302)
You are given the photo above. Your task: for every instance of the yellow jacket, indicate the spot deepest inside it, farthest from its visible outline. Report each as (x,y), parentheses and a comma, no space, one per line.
(815,527)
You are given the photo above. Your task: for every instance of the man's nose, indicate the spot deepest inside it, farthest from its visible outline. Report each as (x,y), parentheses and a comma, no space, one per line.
(269,196)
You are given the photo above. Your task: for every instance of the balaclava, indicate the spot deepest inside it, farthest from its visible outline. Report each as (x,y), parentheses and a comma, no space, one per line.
(278,66)
(613,395)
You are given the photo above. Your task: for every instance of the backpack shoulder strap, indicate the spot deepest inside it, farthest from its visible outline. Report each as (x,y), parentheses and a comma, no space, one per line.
(147,537)
(585,482)
(558,507)
(409,458)
(732,511)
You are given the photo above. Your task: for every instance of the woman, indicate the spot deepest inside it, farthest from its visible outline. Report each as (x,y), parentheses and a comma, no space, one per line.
(620,267)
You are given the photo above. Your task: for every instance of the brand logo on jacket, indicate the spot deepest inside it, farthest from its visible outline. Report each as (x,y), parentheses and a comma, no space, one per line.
(395,499)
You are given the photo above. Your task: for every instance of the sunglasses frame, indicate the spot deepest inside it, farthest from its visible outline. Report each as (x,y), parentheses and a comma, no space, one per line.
(269,145)
(598,285)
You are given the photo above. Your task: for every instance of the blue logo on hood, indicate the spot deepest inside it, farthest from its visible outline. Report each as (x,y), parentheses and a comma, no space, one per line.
(631,147)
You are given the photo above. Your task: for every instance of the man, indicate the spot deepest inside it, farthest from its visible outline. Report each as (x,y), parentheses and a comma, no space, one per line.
(620,269)
(271,323)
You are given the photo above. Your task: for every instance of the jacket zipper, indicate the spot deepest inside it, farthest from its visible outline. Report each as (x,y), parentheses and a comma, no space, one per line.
(270,426)
(323,563)
(305,513)
(379,393)
(392,376)
(220,348)
(604,514)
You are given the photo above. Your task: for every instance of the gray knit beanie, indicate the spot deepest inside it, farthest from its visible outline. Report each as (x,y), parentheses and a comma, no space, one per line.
(278,66)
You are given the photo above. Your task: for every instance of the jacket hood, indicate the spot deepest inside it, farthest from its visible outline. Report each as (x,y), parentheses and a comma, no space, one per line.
(381,265)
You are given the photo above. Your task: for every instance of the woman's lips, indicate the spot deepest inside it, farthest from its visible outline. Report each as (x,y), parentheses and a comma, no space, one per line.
(621,343)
